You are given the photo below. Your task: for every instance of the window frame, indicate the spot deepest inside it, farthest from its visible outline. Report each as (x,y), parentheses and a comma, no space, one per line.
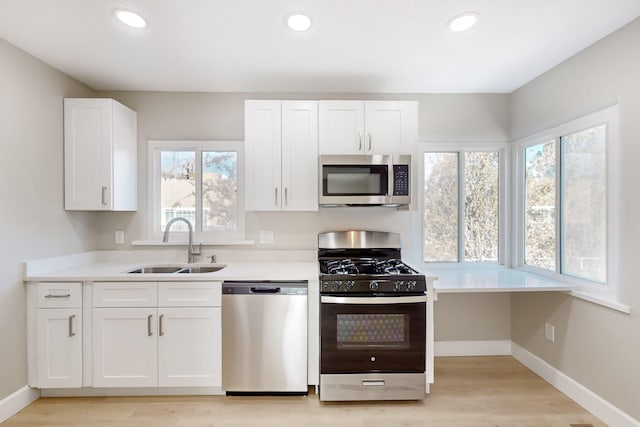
(504,217)
(155,147)
(608,117)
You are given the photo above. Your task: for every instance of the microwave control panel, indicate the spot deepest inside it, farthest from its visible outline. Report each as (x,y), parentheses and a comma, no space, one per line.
(400,180)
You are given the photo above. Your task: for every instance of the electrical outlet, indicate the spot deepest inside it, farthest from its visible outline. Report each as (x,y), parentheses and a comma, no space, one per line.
(119,238)
(266,237)
(550,332)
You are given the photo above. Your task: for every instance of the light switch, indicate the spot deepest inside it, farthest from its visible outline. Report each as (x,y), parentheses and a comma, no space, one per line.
(266,237)
(119,237)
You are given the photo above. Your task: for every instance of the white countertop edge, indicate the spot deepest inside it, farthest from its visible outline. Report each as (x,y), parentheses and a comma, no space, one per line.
(204,243)
(605,302)
(503,289)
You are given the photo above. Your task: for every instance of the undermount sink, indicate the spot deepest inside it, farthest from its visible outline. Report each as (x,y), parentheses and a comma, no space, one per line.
(202,269)
(172,269)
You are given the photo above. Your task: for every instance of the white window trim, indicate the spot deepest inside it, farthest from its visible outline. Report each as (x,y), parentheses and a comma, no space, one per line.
(154,148)
(605,294)
(504,216)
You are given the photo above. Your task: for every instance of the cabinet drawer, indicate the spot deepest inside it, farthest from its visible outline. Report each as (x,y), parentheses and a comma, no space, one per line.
(125,294)
(59,295)
(189,294)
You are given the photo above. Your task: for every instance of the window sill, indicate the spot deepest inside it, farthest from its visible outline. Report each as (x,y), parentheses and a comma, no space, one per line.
(204,243)
(605,302)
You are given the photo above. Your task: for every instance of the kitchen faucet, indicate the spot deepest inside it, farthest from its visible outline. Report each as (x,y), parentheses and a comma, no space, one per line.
(190,252)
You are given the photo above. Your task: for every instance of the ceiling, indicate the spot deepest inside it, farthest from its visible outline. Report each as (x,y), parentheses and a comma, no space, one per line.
(384,46)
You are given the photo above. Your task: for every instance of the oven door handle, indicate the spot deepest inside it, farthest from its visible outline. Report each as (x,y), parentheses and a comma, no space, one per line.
(373,300)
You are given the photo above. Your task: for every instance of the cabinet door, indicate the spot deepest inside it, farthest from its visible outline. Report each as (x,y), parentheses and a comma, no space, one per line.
(262,135)
(59,345)
(189,347)
(87,154)
(125,347)
(300,155)
(341,127)
(391,127)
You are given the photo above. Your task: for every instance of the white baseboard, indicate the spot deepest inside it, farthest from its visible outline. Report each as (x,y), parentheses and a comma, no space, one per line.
(14,403)
(473,348)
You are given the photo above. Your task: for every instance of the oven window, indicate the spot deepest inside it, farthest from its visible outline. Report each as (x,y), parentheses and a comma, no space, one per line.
(369,331)
(342,180)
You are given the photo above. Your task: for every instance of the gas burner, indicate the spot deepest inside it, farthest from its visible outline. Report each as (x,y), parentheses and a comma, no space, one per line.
(342,266)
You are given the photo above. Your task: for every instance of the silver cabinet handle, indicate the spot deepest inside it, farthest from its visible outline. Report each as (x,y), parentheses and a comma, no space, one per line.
(149,333)
(327,299)
(276,196)
(359,141)
(369,141)
(104,195)
(160,331)
(374,383)
(58,296)
(286,196)
(71,333)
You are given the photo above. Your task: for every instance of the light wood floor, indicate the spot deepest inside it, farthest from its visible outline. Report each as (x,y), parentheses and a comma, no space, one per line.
(468,392)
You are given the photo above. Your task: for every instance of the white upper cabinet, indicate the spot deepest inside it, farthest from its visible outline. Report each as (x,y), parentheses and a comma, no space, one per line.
(281,139)
(100,155)
(367,127)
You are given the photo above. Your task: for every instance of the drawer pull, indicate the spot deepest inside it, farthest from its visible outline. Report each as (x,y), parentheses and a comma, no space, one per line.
(161,332)
(375,383)
(149,333)
(71,333)
(57,296)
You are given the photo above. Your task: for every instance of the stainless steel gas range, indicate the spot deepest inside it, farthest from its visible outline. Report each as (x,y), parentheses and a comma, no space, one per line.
(372,319)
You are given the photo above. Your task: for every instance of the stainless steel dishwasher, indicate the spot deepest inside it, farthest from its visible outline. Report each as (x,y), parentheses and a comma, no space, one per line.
(264,337)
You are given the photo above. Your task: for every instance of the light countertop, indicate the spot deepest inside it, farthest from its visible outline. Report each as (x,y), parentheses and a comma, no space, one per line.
(492,279)
(98,266)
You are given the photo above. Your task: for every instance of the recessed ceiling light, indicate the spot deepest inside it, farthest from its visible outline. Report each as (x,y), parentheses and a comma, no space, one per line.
(132,19)
(298,21)
(463,22)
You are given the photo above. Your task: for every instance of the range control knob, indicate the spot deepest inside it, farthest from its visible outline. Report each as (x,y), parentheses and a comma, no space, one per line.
(336,285)
(350,284)
(411,285)
(373,286)
(397,285)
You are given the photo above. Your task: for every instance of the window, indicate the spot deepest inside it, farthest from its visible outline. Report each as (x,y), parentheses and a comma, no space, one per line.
(462,204)
(566,196)
(199,181)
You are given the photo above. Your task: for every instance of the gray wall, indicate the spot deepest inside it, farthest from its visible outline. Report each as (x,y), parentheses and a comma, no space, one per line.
(596,346)
(33,223)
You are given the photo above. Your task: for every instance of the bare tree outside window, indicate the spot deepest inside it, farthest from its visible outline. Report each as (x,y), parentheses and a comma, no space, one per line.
(177,188)
(540,205)
(481,194)
(584,202)
(220,190)
(440,207)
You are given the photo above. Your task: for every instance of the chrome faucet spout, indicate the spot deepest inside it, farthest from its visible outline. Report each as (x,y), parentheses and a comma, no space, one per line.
(190,252)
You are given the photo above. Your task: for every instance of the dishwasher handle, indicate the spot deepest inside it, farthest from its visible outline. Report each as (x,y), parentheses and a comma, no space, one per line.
(255,290)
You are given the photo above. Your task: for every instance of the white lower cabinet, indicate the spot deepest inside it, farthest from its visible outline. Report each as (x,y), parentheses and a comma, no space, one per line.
(59,341)
(54,318)
(189,347)
(124,347)
(158,346)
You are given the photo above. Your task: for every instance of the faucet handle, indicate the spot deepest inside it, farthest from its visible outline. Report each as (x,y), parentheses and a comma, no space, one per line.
(213,258)
(197,252)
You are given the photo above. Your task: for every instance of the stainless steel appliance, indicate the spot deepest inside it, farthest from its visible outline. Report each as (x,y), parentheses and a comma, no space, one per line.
(372,319)
(264,337)
(361,180)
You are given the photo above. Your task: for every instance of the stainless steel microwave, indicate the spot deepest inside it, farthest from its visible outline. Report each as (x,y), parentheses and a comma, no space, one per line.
(365,180)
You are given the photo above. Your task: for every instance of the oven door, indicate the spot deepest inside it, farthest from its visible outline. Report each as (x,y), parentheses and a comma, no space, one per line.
(372,334)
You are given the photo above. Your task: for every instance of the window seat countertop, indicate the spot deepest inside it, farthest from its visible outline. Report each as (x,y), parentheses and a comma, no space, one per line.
(492,279)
